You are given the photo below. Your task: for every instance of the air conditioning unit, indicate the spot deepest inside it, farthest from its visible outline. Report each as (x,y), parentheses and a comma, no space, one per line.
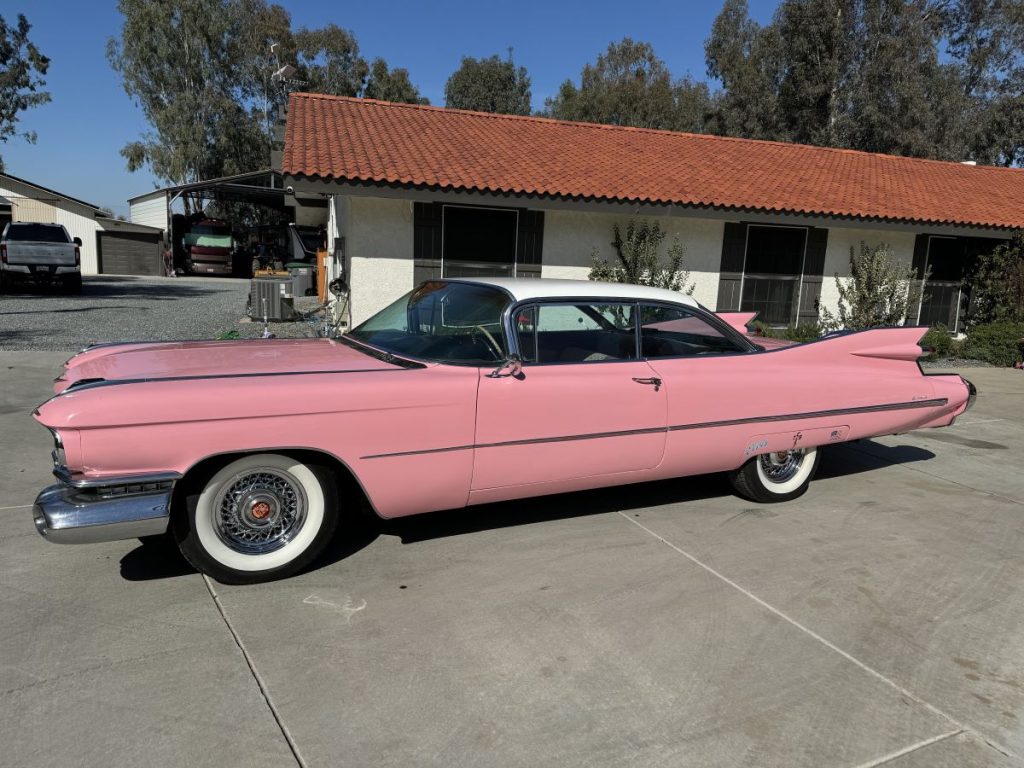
(272,297)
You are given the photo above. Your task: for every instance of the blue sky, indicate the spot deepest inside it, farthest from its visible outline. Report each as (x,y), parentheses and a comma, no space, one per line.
(90,118)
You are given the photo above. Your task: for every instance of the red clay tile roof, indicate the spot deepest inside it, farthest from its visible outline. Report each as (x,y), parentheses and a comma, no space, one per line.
(367,141)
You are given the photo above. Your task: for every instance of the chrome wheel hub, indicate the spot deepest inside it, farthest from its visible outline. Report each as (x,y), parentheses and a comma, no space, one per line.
(781,466)
(259,511)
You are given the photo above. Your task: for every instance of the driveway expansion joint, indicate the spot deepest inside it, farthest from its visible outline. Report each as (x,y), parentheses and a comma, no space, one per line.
(960,727)
(885,759)
(260,683)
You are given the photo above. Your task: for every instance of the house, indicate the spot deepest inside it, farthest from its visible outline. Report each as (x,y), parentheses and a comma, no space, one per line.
(418,192)
(108,245)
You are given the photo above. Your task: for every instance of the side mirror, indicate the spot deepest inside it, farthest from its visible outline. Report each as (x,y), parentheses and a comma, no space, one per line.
(77,241)
(513,366)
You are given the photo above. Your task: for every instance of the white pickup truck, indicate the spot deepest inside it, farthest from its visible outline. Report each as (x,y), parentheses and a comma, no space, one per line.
(42,253)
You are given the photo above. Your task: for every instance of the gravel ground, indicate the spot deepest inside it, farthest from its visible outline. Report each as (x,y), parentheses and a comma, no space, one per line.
(955,362)
(133,308)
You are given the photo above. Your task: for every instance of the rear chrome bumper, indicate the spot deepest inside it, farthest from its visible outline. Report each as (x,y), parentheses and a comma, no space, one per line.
(972,393)
(122,508)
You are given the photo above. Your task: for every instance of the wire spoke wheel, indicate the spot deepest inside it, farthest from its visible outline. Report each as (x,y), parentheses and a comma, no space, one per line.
(263,516)
(259,511)
(782,466)
(776,476)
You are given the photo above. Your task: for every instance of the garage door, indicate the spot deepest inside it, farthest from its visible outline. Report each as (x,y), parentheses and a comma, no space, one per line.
(129,253)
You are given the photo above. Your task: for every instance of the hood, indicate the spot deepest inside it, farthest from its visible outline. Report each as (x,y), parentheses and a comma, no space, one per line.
(205,359)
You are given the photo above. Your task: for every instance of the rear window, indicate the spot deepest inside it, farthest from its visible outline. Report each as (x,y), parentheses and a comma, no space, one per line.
(38,233)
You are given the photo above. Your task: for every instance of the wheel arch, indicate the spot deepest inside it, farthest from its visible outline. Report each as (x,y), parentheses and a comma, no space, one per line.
(203,469)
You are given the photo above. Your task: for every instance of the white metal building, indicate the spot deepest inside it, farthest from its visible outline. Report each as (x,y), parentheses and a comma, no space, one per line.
(108,245)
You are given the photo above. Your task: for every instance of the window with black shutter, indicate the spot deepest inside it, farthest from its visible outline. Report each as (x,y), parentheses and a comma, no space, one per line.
(476,241)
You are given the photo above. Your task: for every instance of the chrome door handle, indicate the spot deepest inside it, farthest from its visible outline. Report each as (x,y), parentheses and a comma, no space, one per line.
(653,381)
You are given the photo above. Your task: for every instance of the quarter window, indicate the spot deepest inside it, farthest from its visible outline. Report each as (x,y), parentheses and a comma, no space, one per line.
(675,332)
(576,333)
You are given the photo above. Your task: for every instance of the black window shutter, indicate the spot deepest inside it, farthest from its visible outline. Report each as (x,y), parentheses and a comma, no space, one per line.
(814,270)
(529,243)
(426,253)
(734,245)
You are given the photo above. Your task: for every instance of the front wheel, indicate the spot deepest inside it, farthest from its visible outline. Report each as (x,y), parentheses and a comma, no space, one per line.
(778,476)
(261,517)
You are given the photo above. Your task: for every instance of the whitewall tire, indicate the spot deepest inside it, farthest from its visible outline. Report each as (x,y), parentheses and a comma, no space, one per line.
(777,476)
(260,517)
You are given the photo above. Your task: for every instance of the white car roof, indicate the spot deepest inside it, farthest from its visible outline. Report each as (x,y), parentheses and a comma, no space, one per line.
(523,288)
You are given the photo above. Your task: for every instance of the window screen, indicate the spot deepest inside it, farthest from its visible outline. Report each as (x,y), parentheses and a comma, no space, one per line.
(479,242)
(772,269)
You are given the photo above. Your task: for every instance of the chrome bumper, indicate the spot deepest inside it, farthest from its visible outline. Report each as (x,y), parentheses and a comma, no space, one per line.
(83,515)
(972,393)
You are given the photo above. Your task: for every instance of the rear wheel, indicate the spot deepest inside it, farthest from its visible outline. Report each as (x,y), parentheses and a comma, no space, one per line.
(261,517)
(778,476)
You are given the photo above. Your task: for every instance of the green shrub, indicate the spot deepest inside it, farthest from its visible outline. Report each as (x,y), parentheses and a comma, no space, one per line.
(939,340)
(997,284)
(996,343)
(801,332)
(638,259)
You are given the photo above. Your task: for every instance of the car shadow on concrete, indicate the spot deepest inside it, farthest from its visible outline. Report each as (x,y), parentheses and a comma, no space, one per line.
(158,558)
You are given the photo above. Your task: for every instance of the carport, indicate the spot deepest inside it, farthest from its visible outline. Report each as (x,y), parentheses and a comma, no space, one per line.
(263,188)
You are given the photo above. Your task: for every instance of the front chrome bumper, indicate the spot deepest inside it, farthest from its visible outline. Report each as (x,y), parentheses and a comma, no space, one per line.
(125,508)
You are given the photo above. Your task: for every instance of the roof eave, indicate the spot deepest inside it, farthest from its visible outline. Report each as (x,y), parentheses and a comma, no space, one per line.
(333,182)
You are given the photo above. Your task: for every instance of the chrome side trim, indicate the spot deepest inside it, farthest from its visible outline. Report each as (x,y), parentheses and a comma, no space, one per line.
(65,515)
(267,374)
(911,405)
(67,478)
(933,403)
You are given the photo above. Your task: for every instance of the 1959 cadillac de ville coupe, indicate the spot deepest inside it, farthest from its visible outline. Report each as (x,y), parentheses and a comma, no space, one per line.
(461,392)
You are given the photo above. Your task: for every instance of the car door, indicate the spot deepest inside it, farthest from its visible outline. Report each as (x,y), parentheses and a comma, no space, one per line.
(708,381)
(582,405)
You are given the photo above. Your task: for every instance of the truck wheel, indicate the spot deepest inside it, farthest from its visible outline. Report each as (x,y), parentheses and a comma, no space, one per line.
(3,282)
(72,285)
(262,517)
(778,476)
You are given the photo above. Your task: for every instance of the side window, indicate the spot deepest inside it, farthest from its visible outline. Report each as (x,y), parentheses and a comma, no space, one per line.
(577,333)
(676,332)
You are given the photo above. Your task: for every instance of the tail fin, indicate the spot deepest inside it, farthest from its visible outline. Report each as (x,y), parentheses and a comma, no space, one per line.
(897,343)
(738,320)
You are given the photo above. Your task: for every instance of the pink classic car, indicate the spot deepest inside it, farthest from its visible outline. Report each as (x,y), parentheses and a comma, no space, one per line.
(461,392)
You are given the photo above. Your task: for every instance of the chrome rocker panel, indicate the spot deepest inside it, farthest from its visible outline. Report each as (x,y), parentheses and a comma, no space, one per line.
(122,508)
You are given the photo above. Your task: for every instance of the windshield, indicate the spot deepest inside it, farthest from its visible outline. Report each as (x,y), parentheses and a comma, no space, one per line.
(442,322)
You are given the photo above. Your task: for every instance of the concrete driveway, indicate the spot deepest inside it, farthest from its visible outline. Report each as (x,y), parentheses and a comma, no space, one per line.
(877,620)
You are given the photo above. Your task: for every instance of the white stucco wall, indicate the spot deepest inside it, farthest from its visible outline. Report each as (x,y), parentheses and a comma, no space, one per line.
(837,255)
(571,237)
(378,236)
